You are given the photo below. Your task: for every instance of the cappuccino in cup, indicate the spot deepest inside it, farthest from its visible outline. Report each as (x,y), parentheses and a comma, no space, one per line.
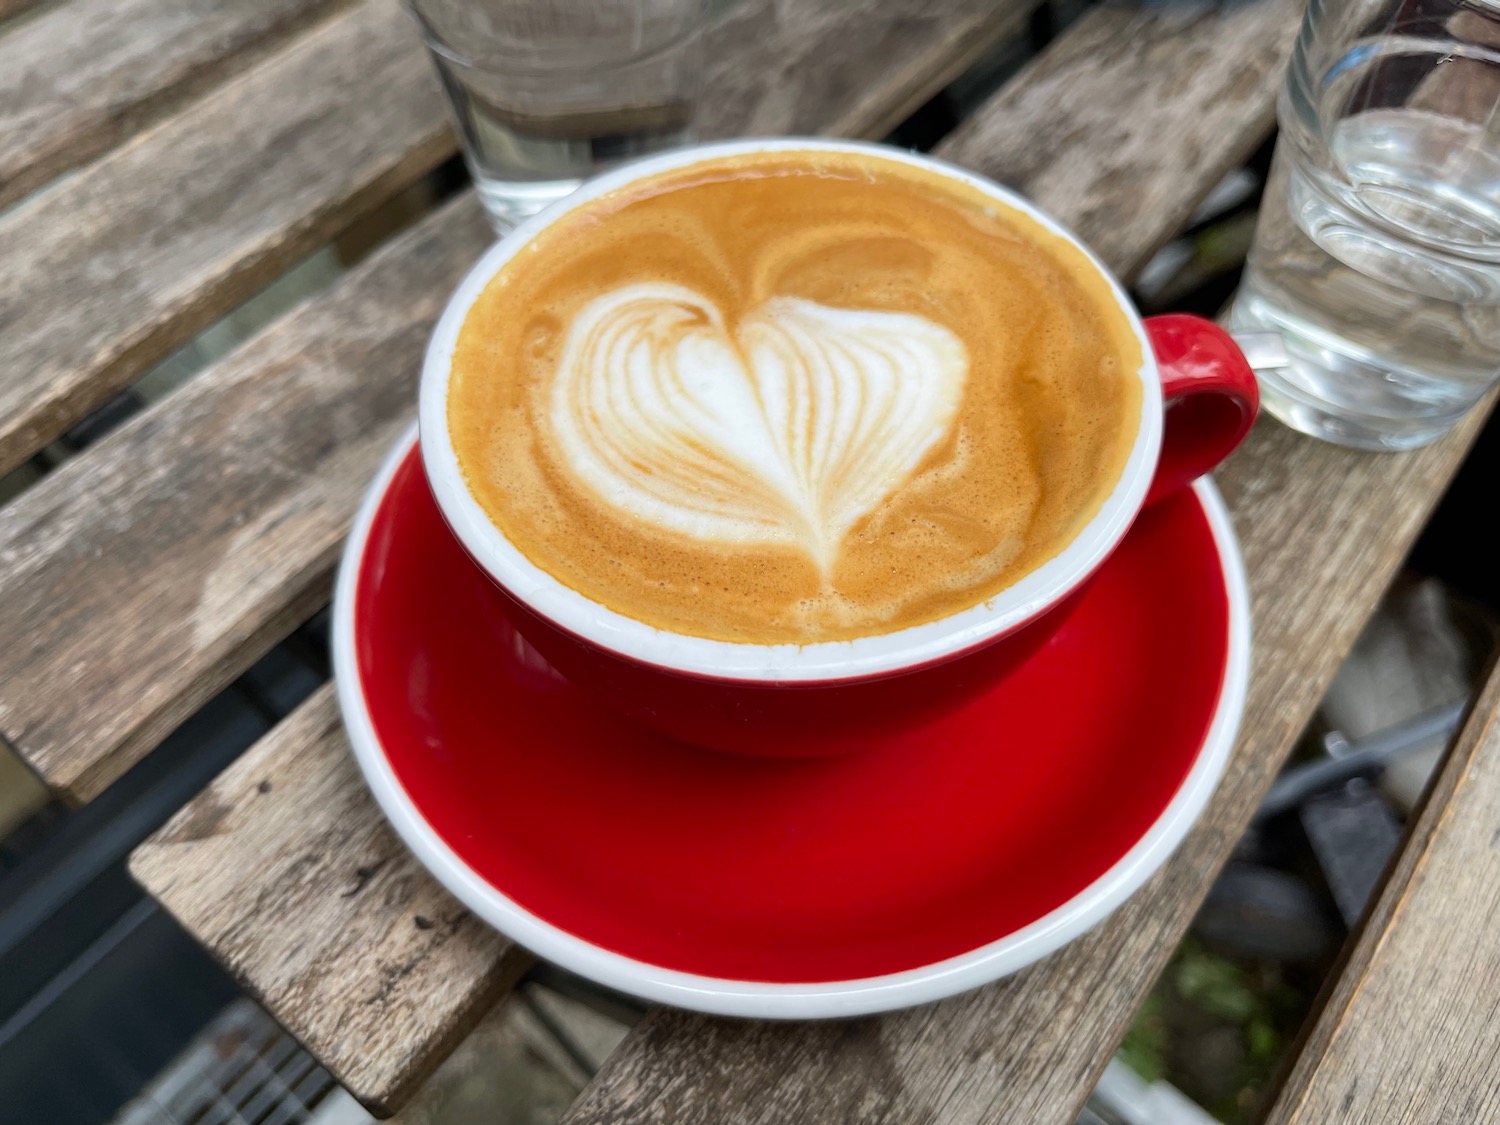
(793,396)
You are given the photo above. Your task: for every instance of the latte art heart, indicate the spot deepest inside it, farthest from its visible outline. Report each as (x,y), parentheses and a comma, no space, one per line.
(790,427)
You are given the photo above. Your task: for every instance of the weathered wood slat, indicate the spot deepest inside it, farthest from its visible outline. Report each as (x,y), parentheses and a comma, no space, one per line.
(130,257)
(145,574)
(397,953)
(142,576)
(1408,1034)
(858,70)
(1124,123)
(86,74)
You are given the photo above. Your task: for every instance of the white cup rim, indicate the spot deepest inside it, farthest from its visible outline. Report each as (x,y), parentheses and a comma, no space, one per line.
(826,661)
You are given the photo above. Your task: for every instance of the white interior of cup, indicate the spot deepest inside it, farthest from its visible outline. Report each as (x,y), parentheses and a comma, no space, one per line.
(829,660)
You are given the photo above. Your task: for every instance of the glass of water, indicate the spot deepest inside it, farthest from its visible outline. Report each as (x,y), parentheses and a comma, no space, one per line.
(1377,254)
(548,92)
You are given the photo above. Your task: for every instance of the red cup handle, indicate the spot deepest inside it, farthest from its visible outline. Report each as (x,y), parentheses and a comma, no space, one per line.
(1209,393)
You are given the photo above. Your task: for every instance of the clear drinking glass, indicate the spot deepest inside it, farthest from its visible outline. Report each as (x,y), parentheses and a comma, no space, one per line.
(1377,254)
(548,92)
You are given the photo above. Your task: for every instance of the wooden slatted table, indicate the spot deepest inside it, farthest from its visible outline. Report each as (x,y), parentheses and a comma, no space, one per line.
(1408,1034)
(210,151)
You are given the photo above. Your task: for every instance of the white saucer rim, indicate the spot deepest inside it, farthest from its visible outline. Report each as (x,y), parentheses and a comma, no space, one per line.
(774,1000)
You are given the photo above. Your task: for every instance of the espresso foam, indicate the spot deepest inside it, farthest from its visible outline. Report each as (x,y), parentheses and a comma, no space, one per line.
(793,397)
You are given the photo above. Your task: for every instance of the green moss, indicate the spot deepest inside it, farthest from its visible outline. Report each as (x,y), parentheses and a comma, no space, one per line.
(1144,1048)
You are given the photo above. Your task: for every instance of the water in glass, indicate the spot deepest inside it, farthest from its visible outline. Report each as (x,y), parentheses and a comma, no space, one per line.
(547,92)
(1377,255)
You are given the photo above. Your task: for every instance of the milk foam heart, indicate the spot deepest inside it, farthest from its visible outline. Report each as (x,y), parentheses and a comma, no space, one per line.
(789,426)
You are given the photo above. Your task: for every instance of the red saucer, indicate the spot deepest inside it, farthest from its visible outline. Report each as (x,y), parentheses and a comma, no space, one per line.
(1022,819)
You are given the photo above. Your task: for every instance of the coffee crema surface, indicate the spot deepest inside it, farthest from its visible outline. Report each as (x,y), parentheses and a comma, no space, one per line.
(793,396)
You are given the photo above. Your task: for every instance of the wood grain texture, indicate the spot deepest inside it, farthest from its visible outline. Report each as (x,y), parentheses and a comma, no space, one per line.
(85,74)
(804,67)
(393,979)
(140,577)
(1409,1033)
(148,572)
(1126,122)
(130,257)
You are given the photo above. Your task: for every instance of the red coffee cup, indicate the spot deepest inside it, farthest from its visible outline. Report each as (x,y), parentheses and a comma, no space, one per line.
(1198,401)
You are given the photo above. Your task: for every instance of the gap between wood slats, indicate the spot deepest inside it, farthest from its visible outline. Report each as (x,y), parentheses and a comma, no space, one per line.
(1406,1033)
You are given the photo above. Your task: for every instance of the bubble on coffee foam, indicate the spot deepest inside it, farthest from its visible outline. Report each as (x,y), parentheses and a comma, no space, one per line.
(789,428)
